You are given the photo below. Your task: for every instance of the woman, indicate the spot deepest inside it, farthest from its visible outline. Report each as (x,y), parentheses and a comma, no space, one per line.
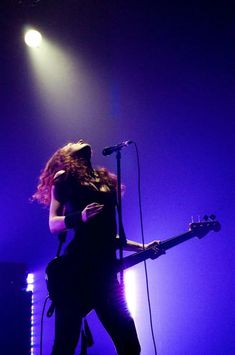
(84,199)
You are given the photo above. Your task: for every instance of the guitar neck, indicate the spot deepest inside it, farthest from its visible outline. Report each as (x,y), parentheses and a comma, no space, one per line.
(172,242)
(150,253)
(134,259)
(199,229)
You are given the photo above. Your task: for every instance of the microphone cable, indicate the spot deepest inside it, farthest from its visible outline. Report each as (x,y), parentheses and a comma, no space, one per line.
(42,317)
(143,242)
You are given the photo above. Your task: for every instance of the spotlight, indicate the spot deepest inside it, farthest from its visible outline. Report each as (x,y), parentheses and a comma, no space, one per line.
(33,38)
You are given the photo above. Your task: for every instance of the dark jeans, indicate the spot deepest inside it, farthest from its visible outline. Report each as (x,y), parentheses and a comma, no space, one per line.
(110,306)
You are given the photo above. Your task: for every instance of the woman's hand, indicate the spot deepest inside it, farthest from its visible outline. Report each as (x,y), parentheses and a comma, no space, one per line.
(154,243)
(91,211)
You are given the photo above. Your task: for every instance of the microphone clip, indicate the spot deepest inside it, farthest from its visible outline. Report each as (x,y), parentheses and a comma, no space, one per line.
(116,148)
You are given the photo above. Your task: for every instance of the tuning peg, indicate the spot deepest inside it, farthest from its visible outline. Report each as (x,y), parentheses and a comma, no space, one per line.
(212,217)
(206,218)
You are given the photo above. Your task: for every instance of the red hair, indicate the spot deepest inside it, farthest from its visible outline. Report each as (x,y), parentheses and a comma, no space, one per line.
(77,167)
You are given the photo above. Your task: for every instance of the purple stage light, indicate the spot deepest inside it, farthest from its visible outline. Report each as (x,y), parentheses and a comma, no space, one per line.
(130,290)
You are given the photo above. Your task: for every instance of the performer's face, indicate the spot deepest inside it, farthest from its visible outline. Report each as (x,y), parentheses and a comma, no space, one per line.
(79,149)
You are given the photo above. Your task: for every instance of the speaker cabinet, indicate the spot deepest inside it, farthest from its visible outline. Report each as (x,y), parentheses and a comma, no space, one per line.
(15,310)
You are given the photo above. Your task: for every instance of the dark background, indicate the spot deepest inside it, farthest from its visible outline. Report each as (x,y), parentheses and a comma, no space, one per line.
(161,74)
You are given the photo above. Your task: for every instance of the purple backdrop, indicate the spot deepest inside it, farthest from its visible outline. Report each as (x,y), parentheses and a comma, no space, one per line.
(163,76)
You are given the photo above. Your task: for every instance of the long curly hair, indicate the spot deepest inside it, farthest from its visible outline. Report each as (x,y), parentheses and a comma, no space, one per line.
(78,167)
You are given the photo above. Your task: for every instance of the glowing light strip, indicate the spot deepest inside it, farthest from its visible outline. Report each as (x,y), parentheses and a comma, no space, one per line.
(30,288)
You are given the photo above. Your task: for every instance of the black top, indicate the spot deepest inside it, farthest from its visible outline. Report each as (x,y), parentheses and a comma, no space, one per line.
(93,247)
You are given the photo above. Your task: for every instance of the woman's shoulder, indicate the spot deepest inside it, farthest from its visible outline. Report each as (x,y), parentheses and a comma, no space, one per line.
(60,178)
(59,174)
(60,185)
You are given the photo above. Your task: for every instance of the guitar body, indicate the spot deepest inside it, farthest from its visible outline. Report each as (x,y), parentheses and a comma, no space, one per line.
(67,283)
(56,274)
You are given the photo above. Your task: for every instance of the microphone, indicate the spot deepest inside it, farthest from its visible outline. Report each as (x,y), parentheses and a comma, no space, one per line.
(115,148)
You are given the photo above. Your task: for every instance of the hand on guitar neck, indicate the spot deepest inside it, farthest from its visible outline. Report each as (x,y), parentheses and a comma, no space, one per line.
(155,246)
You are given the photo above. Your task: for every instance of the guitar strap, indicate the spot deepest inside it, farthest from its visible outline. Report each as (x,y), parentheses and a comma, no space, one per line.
(62,239)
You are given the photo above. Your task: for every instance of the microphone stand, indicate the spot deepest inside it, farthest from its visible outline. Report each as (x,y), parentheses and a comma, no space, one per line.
(121,232)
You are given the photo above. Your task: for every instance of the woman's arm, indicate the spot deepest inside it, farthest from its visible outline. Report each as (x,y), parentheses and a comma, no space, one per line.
(59,223)
(56,215)
(135,246)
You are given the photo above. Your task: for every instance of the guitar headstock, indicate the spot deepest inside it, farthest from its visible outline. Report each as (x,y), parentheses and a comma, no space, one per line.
(201,228)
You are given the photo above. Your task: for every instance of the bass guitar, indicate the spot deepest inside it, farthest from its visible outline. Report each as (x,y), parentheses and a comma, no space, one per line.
(58,271)
(196,229)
